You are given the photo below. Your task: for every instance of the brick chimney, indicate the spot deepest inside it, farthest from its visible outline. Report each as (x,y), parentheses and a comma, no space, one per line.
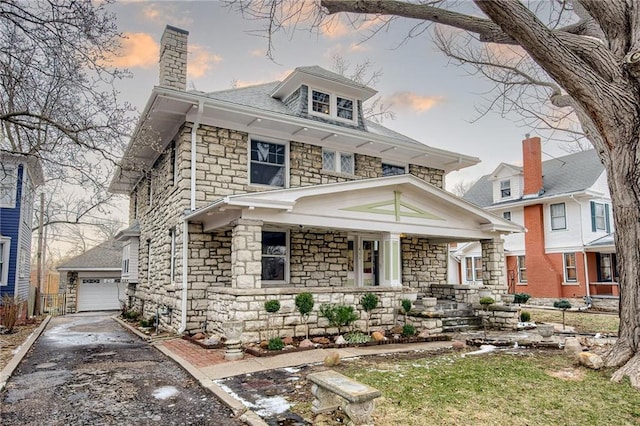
(532,163)
(173,58)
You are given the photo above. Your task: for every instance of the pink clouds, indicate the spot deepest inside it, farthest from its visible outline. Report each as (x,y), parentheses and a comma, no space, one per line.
(414,101)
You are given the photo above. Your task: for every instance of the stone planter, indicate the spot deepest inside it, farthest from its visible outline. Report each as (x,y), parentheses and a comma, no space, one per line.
(232,331)
(507,298)
(546,330)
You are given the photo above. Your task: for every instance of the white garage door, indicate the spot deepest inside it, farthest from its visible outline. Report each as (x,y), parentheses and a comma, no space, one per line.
(100,294)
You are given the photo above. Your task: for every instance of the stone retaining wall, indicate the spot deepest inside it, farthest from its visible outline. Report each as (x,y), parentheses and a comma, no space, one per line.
(501,317)
(226,304)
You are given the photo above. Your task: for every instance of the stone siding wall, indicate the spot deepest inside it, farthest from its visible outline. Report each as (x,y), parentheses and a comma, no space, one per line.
(248,306)
(318,259)
(423,263)
(427,174)
(70,283)
(460,293)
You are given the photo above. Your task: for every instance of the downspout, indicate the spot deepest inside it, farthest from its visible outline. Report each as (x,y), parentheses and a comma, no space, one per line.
(194,134)
(584,253)
(185,252)
(185,222)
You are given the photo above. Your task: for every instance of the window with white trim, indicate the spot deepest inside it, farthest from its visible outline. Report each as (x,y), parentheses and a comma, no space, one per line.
(172,266)
(558,216)
(8,185)
(473,268)
(600,217)
(5,247)
(505,188)
(268,163)
(331,105)
(340,162)
(522,269)
(274,256)
(393,170)
(148,260)
(570,269)
(506,215)
(126,250)
(607,267)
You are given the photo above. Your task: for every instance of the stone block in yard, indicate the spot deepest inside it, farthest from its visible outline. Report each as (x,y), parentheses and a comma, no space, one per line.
(572,346)
(591,360)
(287,340)
(458,345)
(321,340)
(306,343)
(340,341)
(332,359)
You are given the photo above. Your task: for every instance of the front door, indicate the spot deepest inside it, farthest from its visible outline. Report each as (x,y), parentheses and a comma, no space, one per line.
(363,257)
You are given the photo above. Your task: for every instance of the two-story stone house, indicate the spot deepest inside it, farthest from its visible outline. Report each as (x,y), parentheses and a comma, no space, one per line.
(263,192)
(564,204)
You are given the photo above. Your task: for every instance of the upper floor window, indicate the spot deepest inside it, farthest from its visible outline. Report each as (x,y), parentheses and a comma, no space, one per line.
(150,191)
(599,217)
(522,270)
(505,188)
(125,259)
(274,256)
(506,215)
(323,103)
(268,163)
(570,270)
(393,170)
(8,186)
(174,162)
(337,161)
(473,268)
(558,216)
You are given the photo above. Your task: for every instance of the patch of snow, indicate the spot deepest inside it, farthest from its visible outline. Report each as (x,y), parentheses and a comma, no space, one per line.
(272,406)
(165,392)
(228,390)
(291,370)
(484,349)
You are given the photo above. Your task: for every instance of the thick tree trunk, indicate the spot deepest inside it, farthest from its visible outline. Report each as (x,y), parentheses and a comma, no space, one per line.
(623,170)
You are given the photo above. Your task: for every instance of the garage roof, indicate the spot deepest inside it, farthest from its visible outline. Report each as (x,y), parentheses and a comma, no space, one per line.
(104,257)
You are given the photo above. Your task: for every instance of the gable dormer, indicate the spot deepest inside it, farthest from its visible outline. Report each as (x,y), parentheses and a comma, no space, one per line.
(321,95)
(507,183)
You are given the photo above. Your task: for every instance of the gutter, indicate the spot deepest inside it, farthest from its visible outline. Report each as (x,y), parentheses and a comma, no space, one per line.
(584,253)
(185,275)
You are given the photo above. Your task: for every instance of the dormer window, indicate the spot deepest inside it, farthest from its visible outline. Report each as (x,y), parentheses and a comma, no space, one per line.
(331,105)
(505,188)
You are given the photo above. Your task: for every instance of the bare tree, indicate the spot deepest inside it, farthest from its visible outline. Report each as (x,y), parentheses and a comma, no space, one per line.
(590,51)
(462,186)
(58,102)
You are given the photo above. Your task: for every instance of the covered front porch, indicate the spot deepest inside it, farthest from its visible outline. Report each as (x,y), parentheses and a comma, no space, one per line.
(388,236)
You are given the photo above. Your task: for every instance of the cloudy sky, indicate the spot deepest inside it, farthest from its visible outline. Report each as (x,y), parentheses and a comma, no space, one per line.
(434,102)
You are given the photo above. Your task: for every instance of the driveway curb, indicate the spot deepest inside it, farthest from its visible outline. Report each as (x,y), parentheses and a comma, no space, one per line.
(8,370)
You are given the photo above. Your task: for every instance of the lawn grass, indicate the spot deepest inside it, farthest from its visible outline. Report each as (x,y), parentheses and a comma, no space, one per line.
(583,322)
(522,388)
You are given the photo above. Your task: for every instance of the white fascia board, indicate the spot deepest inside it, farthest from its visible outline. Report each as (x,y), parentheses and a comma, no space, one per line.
(533,201)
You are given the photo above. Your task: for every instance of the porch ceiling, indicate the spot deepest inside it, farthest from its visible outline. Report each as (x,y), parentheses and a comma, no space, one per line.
(401,204)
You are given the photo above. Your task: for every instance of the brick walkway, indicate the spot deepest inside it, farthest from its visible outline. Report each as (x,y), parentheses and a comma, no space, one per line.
(194,354)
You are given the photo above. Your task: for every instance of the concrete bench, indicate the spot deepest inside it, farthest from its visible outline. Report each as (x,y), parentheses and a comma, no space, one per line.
(332,390)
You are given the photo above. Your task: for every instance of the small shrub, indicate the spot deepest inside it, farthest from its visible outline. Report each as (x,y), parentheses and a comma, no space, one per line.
(338,315)
(525,316)
(357,338)
(304,304)
(408,330)
(486,301)
(406,305)
(9,311)
(275,344)
(521,297)
(272,306)
(369,302)
(562,304)
(131,315)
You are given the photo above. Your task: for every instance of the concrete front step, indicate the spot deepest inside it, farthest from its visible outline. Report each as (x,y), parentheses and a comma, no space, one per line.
(459,328)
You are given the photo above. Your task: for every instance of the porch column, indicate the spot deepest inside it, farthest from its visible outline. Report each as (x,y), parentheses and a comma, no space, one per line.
(246,254)
(493,267)
(392,268)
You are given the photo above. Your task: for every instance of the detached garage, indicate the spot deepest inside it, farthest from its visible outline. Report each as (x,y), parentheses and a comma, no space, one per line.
(91,281)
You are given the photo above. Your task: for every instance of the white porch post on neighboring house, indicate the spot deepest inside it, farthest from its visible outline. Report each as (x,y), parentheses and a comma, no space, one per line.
(493,267)
(391,266)
(246,254)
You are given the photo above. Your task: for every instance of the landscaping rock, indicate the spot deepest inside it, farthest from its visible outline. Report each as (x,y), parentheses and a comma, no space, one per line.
(377,336)
(572,346)
(458,344)
(332,359)
(396,330)
(288,340)
(425,333)
(264,344)
(591,360)
(321,340)
(306,343)
(199,336)
(340,341)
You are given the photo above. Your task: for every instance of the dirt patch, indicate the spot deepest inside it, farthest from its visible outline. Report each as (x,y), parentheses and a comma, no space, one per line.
(572,374)
(11,343)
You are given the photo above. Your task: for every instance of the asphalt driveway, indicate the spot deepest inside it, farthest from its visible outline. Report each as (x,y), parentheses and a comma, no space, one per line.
(87,369)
